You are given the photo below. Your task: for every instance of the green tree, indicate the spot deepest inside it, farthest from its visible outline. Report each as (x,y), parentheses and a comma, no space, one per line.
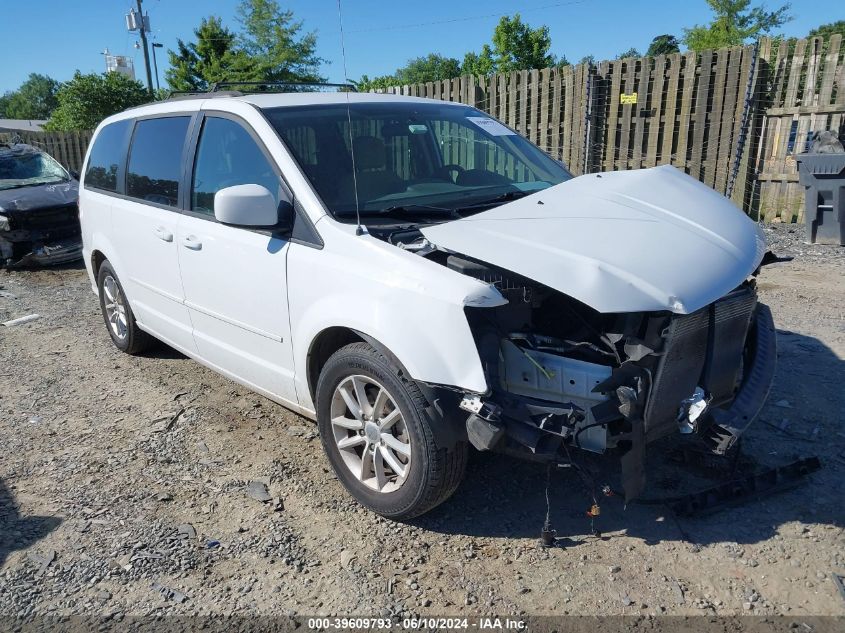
(516,46)
(212,57)
(275,47)
(35,99)
(269,46)
(588,59)
(663,45)
(432,67)
(479,63)
(366,84)
(86,100)
(4,103)
(826,30)
(733,24)
(631,52)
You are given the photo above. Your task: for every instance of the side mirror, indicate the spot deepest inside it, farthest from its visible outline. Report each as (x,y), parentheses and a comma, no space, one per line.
(250,205)
(74,174)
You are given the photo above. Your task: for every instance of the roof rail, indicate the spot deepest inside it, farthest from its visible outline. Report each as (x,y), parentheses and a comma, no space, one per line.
(177,95)
(216,87)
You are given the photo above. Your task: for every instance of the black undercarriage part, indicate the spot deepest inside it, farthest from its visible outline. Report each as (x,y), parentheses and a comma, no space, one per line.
(741,489)
(485,428)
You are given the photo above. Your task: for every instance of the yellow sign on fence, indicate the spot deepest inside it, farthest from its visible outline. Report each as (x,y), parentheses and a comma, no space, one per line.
(630,99)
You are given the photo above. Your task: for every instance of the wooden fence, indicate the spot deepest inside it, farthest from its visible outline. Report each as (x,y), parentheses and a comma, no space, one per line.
(806,82)
(66,147)
(733,118)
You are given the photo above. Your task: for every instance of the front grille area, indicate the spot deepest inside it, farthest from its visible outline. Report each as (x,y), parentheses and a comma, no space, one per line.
(700,349)
(44,219)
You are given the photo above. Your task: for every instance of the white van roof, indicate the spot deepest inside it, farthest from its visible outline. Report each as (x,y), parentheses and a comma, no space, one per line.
(266,100)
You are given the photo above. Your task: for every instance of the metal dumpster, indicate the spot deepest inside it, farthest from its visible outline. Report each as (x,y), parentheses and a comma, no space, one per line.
(823,177)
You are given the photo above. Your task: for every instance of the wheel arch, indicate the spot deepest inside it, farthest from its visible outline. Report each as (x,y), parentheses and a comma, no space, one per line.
(331,339)
(441,404)
(97,259)
(101,250)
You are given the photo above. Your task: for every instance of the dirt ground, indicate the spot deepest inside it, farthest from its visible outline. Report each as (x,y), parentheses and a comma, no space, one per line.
(123,491)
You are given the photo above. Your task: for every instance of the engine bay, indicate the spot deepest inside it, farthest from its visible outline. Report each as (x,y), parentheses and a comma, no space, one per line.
(562,374)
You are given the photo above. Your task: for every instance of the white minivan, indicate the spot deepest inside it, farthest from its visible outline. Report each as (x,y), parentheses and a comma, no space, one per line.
(418,278)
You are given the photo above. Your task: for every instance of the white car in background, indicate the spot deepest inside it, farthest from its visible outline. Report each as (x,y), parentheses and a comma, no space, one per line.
(419,278)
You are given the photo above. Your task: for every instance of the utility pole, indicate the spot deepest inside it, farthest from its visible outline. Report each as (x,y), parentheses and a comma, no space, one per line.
(142,28)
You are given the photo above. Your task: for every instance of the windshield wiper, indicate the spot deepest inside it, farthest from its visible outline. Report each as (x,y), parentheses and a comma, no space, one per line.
(404,211)
(502,197)
(32,184)
(427,208)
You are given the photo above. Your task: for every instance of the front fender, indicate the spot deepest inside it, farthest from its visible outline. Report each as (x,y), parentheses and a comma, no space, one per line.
(412,306)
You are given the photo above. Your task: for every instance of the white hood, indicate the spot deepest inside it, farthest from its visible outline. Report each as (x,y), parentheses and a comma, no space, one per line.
(627,241)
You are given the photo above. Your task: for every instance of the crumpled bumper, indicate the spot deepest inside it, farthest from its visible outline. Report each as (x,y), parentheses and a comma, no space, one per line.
(39,254)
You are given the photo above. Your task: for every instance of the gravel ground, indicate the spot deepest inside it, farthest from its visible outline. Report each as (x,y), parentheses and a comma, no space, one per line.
(124,491)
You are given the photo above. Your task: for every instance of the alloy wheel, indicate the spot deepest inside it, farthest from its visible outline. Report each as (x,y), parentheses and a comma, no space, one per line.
(370,433)
(115,305)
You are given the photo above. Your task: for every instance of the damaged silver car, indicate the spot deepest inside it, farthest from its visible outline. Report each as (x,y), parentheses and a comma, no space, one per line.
(39,217)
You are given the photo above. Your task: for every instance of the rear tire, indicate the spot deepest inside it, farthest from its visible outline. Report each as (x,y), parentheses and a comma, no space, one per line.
(392,428)
(118,316)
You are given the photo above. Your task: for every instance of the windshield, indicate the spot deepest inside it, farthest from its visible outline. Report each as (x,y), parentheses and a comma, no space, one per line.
(25,168)
(417,158)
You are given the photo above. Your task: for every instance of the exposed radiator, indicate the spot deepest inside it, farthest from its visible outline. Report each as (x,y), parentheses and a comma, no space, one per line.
(678,371)
(729,327)
(701,349)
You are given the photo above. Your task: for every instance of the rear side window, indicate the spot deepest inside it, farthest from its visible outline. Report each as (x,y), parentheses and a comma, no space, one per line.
(106,156)
(155,160)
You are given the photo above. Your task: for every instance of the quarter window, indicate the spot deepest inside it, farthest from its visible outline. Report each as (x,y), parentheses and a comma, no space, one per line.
(227,156)
(106,156)
(155,160)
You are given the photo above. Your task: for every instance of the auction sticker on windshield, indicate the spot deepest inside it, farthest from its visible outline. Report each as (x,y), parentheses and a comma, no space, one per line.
(491,126)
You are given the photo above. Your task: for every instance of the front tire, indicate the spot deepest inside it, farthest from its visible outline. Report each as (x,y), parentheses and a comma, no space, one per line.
(120,321)
(378,436)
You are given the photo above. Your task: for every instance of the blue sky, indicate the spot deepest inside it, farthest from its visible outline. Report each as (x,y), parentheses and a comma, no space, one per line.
(56,37)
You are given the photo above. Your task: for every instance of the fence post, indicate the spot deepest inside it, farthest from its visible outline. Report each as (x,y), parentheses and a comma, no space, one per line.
(588,117)
(743,130)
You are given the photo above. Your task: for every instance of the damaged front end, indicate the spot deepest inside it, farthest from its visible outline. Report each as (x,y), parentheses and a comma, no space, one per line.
(39,213)
(564,375)
(38,237)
